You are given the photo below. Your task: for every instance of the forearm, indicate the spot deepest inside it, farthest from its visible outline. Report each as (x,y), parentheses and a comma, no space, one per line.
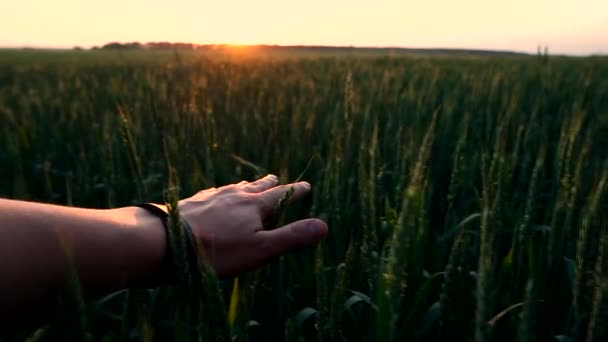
(110,249)
(118,248)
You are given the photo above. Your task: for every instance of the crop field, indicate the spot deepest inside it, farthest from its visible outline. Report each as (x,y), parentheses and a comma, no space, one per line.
(466,197)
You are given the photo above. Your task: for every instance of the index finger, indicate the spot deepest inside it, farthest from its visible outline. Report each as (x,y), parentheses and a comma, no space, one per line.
(289,192)
(263,184)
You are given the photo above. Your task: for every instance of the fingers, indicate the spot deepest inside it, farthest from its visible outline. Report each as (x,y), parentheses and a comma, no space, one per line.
(292,236)
(263,184)
(271,198)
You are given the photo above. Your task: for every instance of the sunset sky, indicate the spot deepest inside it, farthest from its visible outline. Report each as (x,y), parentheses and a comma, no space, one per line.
(566,26)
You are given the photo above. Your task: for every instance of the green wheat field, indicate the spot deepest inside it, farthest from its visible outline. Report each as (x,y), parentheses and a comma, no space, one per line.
(466,196)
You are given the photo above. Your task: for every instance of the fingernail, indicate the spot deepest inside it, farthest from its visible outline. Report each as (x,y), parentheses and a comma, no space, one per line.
(316,228)
(306,185)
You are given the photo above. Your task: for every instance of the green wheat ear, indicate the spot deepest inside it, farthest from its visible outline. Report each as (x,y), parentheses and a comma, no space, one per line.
(259,171)
(280,208)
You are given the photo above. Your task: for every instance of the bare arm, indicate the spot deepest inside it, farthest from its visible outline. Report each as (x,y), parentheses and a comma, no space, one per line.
(124,247)
(110,249)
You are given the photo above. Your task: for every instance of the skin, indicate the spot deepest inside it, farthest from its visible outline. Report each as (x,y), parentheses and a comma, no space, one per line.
(124,247)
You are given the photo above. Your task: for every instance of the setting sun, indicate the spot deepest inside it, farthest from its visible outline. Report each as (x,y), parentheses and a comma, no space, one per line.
(239,47)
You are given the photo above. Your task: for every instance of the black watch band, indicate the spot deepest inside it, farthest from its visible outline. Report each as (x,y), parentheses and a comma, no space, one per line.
(171,263)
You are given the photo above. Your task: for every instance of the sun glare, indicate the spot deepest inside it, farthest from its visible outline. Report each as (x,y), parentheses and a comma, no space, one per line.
(238,46)
(239,49)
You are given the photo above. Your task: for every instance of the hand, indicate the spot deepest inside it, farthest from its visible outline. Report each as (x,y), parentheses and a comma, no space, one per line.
(228,224)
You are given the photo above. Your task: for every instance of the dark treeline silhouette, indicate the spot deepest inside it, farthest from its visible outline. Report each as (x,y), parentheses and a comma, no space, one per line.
(150,45)
(300,48)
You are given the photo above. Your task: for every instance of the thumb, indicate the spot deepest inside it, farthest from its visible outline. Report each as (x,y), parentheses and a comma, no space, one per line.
(292,236)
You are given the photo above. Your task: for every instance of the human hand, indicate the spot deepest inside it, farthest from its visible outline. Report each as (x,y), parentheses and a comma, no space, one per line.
(227,223)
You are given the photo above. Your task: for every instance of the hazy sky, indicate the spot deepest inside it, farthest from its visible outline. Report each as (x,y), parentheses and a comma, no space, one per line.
(566,26)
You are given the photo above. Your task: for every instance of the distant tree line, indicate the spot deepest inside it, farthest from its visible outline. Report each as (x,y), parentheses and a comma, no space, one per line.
(303,48)
(150,45)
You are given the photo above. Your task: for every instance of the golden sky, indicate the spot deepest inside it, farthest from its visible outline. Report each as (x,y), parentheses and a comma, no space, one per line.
(566,26)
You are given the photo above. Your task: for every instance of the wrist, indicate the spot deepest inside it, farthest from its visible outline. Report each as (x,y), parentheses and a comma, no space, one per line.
(151,247)
(175,263)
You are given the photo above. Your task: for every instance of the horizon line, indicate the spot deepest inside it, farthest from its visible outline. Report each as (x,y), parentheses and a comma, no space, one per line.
(378,47)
